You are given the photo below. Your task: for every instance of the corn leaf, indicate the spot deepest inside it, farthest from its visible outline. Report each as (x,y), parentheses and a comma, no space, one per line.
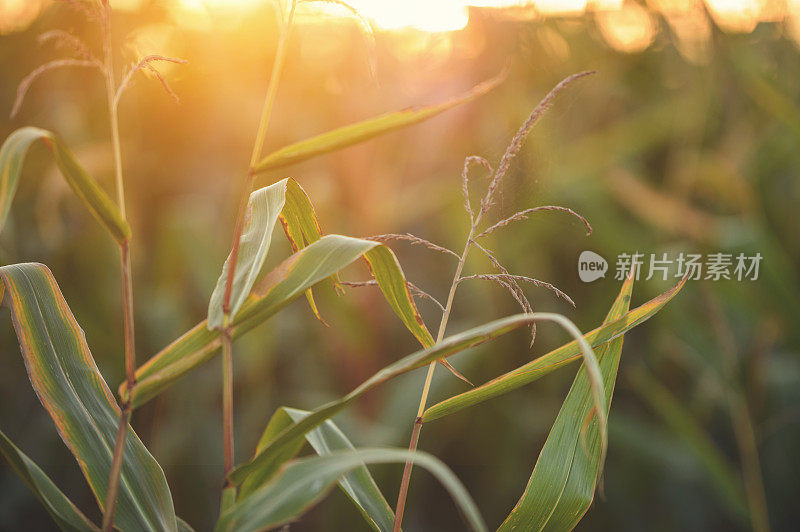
(302,483)
(301,227)
(12,156)
(365,130)
(562,485)
(285,201)
(70,387)
(64,513)
(359,485)
(545,364)
(275,452)
(265,205)
(281,286)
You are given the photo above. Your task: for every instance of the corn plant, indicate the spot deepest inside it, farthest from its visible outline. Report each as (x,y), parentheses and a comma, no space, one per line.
(273,487)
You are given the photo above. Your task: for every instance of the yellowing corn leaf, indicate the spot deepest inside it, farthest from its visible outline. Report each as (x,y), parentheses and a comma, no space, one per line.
(65,377)
(12,155)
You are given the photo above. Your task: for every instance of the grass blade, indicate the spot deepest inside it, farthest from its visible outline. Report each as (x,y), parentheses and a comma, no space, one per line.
(64,513)
(311,265)
(70,387)
(272,455)
(551,361)
(562,485)
(359,485)
(365,130)
(302,483)
(12,156)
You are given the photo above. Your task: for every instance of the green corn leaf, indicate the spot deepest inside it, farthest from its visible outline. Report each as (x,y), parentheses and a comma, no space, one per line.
(60,508)
(562,485)
(302,483)
(365,130)
(359,485)
(545,364)
(12,156)
(285,201)
(309,266)
(71,389)
(301,226)
(275,452)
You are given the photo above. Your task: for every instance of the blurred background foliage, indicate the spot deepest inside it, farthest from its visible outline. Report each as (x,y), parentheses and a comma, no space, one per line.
(685,141)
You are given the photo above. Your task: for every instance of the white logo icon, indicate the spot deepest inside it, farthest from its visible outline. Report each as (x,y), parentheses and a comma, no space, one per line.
(591,266)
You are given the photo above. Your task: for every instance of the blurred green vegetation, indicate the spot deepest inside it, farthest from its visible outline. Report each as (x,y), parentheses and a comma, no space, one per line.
(662,153)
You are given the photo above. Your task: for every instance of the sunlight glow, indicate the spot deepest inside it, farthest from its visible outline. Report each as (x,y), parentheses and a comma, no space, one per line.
(16,15)
(629,29)
(626,25)
(735,15)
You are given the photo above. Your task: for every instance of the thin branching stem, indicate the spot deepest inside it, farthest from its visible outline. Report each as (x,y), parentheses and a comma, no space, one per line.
(146,63)
(272,89)
(25,84)
(412,446)
(227,397)
(227,359)
(408,237)
(116,469)
(475,219)
(521,215)
(519,138)
(414,289)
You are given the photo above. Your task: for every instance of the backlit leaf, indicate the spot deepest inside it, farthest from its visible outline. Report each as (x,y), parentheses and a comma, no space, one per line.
(264,207)
(12,156)
(365,130)
(285,201)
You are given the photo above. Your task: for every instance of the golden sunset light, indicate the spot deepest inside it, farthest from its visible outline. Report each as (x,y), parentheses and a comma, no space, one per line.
(421,265)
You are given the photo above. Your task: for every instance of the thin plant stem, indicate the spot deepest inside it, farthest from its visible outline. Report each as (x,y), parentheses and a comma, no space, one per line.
(126,278)
(227,398)
(272,89)
(412,445)
(497,176)
(227,351)
(116,469)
